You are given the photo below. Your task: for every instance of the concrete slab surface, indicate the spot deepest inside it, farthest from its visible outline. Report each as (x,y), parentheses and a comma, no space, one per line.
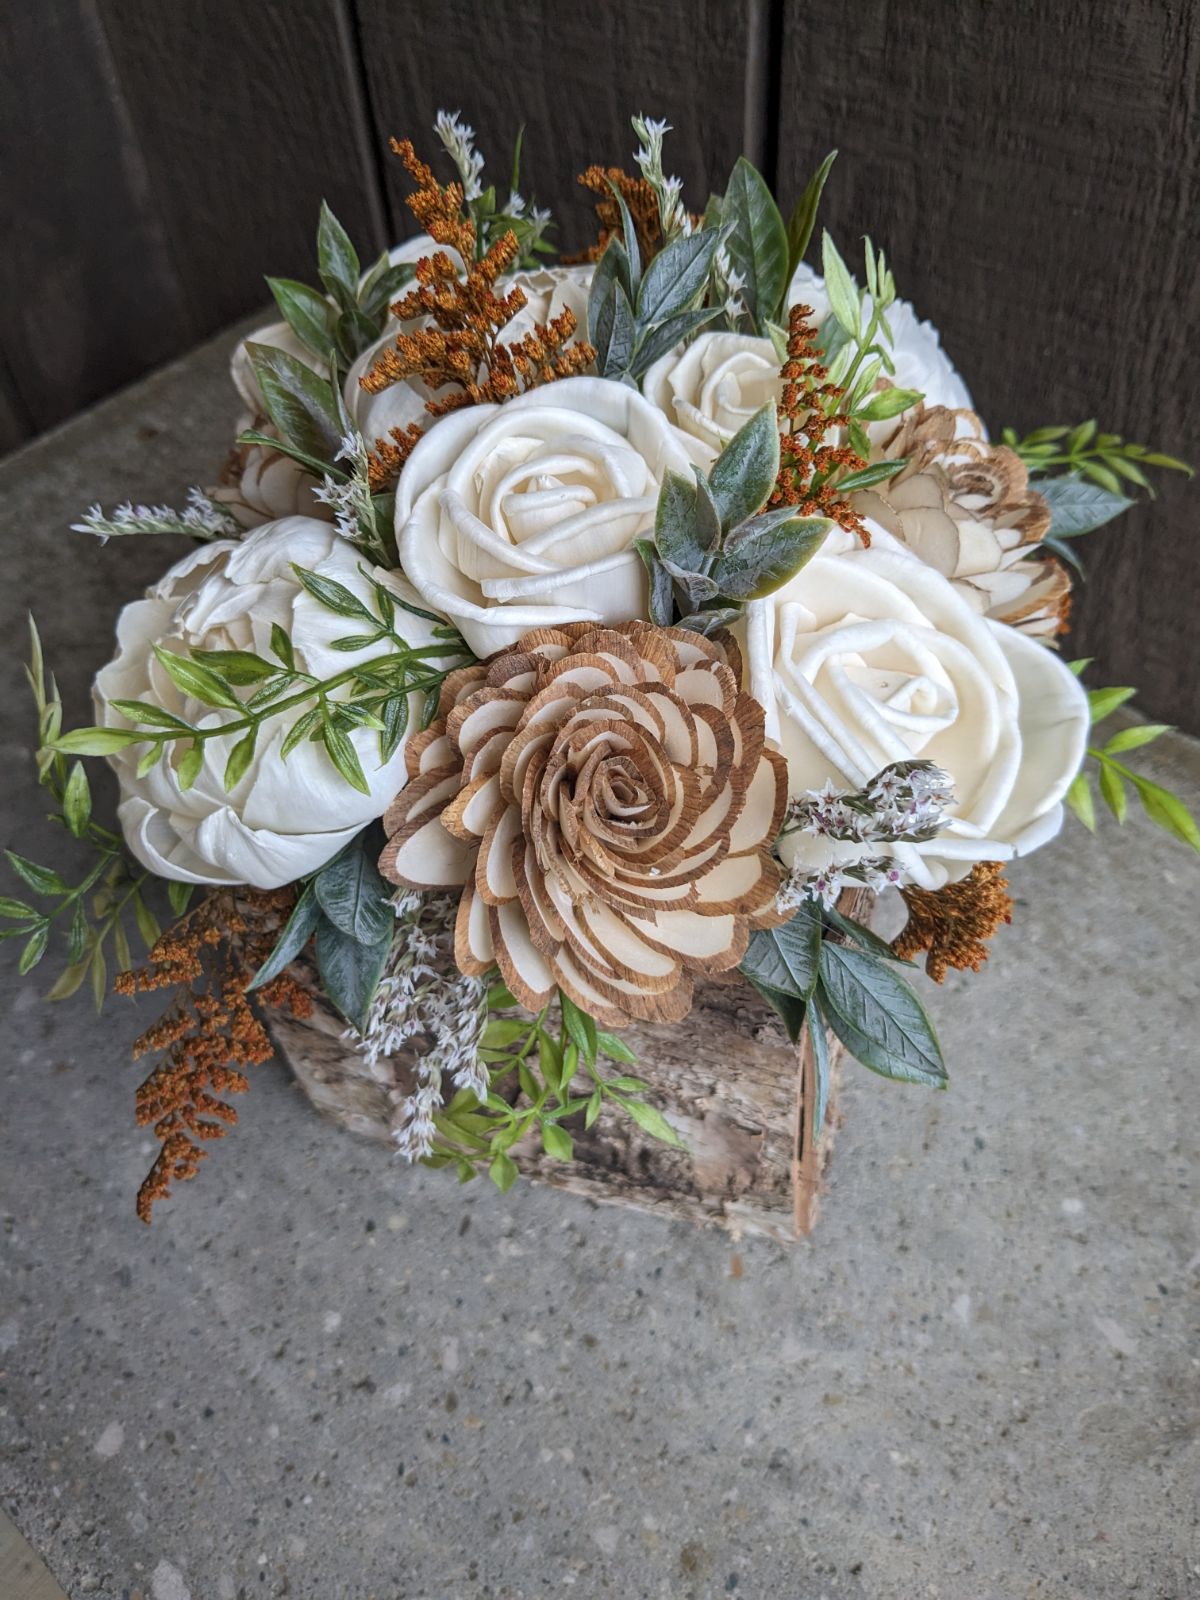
(321,1375)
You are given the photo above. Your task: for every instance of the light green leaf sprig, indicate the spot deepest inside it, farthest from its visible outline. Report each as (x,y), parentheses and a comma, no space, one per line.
(1162,807)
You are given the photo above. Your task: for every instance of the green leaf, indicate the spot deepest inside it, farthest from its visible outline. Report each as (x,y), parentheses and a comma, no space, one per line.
(765,557)
(312,464)
(1078,507)
(69,980)
(299,929)
(866,477)
(382,286)
(147,923)
(804,215)
(675,278)
(121,951)
(42,880)
(142,712)
(189,766)
(1079,798)
(661,599)
(787,959)
(306,313)
(593,1108)
(822,1063)
(350,971)
(503,1171)
(556,1142)
(342,753)
(1135,738)
(1112,791)
(858,934)
(652,1121)
(77,800)
(298,732)
(333,595)
(239,761)
(618,357)
(238,667)
(1104,476)
(16,909)
(281,646)
(581,1029)
(337,260)
(744,473)
(198,681)
(791,1011)
(178,896)
(666,335)
(299,402)
(756,241)
(629,240)
(675,518)
(1103,702)
(98,971)
(34,950)
(614,1048)
(839,285)
(550,1062)
(888,403)
(878,1017)
(1168,810)
(612,271)
(354,895)
(95,741)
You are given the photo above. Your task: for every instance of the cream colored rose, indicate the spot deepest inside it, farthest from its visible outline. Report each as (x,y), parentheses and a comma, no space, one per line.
(260,485)
(715,386)
(548,292)
(283,818)
(869,657)
(524,515)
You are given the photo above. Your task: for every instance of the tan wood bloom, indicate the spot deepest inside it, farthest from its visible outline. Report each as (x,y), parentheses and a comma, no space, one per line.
(606,799)
(965,506)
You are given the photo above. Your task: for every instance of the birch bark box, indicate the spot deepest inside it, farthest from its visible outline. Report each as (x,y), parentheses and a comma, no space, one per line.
(741,1096)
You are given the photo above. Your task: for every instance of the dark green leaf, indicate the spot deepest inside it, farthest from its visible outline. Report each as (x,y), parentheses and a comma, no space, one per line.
(337,260)
(350,971)
(300,927)
(675,278)
(629,240)
(666,335)
(878,1017)
(858,934)
(763,559)
(822,1064)
(313,464)
(618,356)
(1077,506)
(305,311)
(354,895)
(757,243)
(787,959)
(791,1010)
(16,908)
(298,402)
(615,1048)
(378,292)
(661,594)
(581,1029)
(804,215)
(298,732)
(675,523)
(333,595)
(744,473)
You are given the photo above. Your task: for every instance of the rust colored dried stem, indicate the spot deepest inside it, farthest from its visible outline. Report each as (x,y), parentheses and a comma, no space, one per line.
(806,416)
(211,1031)
(953,924)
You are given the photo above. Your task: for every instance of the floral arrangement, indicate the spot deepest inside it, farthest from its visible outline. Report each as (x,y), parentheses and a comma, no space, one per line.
(560,637)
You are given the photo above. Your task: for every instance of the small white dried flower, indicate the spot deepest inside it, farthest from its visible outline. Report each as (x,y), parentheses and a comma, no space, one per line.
(201,519)
(459,142)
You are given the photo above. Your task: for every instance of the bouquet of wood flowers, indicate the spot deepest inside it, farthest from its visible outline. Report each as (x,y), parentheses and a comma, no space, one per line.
(567,658)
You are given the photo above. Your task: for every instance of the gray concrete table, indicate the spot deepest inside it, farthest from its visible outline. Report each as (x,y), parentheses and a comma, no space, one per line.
(322,1375)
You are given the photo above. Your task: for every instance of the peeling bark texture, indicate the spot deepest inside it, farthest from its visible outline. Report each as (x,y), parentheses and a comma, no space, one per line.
(727,1078)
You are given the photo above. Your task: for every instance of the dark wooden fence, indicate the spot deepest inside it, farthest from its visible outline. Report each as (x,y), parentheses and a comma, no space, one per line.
(1031,169)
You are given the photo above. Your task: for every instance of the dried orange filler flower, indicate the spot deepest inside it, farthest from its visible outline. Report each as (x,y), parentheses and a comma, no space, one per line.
(212,1029)
(804,421)
(458,346)
(954,923)
(638,194)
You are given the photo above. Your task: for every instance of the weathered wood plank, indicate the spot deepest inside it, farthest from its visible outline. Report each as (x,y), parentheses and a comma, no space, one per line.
(1029,169)
(23,1576)
(573,75)
(90,295)
(247,117)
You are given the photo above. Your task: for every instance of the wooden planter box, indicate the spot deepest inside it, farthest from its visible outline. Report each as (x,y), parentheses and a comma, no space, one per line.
(736,1090)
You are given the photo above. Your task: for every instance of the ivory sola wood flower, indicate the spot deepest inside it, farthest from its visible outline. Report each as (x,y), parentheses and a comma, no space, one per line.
(606,799)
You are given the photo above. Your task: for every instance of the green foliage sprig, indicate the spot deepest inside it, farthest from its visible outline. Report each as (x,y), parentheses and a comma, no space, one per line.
(634,317)
(534,1067)
(1159,804)
(830,971)
(375,692)
(93,912)
(714,546)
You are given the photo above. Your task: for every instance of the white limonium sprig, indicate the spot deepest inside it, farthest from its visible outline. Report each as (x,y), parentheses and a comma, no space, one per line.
(200,519)
(729,282)
(352,503)
(422,996)
(906,802)
(673,215)
(459,142)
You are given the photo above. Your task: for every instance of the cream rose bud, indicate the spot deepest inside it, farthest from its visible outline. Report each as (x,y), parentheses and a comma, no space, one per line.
(548,292)
(916,348)
(868,657)
(283,818)
(524,515)
(715,386)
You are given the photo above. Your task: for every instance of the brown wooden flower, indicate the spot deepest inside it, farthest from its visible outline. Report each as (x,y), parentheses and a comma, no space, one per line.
(606,799)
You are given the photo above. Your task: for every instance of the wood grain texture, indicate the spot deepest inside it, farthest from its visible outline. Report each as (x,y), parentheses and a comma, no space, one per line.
(573,75)
(89,292)
(1032,172)
(23,1576)
(734,1089)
